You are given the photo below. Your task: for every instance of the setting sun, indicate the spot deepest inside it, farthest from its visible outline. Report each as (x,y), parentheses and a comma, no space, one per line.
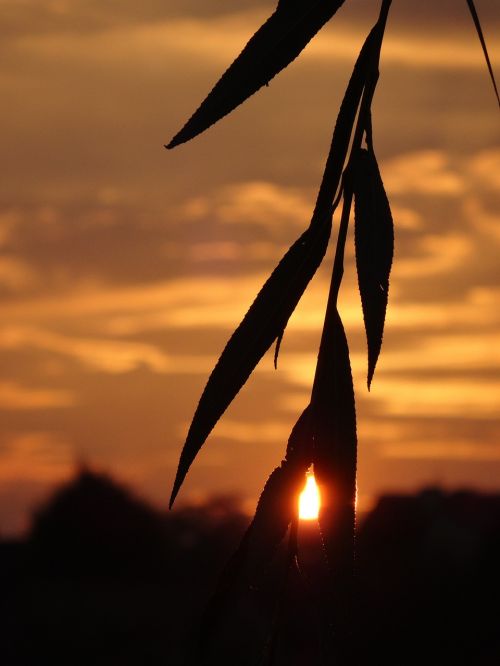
(309,500)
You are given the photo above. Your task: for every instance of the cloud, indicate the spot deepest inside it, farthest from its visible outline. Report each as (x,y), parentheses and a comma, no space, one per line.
(16,274)
(30,17)
(427,172)
(256,203)
(438,173)
(438,254)
(221,38)
(408,48)
(104,355)
(485,221)
(21,17)
(477,351)
(484,167)
(465,451)
(251,432)
(208,301)
(445,375)
(167,299)
(40,456)
(230,251)
(455,199)
(438,397)
(14,396)
(406,218)
(9,219)
(99,354)
(459,352)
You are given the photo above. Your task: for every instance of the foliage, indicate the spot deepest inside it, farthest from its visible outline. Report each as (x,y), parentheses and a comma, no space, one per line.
(325,433)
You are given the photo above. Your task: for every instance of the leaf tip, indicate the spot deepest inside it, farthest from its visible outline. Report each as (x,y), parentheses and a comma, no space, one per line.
(182,136)
(371,371)
(175,488)
(277,348)
(172,144)
(172,498)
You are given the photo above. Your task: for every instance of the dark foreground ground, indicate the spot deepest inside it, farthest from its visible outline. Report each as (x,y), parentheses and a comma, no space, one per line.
(103,579)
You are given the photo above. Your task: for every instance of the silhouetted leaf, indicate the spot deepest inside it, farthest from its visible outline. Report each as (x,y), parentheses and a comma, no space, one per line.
(279,41)
(262,324)
(343,128)
(267,318)
(374,239)
(277,505)
(276,511)
(277,348)
(276,508)
(333,424)
(339,145)
(333,419)
(479,31)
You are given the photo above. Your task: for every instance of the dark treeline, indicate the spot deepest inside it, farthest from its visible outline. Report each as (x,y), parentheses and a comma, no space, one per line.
(103,578)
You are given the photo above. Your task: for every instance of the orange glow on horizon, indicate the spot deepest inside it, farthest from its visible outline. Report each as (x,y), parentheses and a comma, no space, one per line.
(309,499)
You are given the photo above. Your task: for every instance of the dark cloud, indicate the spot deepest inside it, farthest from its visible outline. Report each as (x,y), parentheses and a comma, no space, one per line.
(81,16)
(32,17)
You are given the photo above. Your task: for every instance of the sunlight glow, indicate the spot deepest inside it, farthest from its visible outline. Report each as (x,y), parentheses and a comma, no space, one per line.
(309,500)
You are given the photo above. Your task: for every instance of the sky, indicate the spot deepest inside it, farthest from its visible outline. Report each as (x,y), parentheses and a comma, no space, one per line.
(124,267)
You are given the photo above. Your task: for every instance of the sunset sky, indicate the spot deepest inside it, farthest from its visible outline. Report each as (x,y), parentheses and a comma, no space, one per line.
(124,268)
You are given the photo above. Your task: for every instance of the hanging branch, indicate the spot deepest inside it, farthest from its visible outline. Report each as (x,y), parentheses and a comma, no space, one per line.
(267,317)
(325,434)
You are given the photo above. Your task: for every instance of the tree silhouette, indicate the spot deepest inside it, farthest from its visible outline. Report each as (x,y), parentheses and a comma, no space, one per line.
(325,433)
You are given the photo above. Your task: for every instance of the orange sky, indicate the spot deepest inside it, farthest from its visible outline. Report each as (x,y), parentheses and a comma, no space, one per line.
(124,268)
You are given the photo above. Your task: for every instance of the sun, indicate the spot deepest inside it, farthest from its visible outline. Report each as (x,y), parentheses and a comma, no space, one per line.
(309,499)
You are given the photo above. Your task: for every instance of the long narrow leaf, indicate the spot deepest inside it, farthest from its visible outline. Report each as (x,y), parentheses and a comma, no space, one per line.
(263,323)
(277,506)
(374,240)
(279,41)
(330,184)
(477,24)
(344,126)
(267,317)
(333,419)
(333,416)
(276,511)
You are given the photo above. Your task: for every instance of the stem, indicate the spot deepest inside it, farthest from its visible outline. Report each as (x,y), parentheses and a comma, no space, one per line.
(363,125)
(340,434)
